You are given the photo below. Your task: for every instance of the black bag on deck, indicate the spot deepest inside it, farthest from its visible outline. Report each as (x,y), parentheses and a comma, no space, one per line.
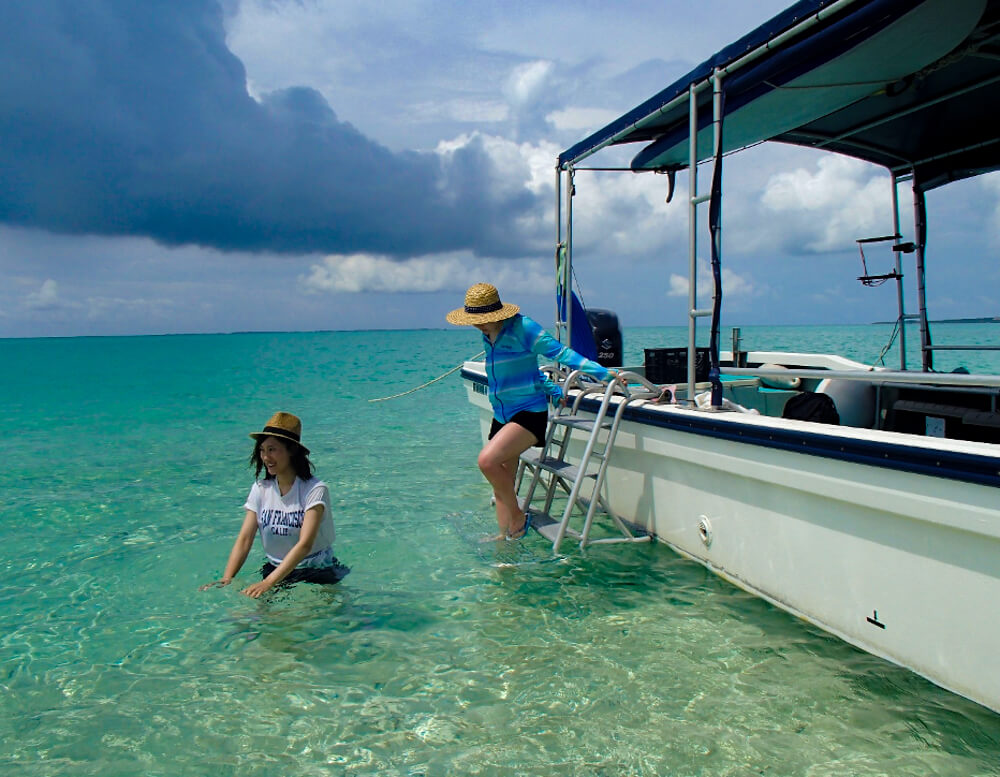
(810,406)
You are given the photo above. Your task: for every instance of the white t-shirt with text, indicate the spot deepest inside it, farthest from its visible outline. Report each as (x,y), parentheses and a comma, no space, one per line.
(279,519)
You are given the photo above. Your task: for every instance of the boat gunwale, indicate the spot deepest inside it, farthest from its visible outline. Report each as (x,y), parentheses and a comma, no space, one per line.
(937,457)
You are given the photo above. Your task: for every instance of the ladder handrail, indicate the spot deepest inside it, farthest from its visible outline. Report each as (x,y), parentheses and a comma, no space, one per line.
(622,380)
(618,385)
(627,386)
(602,471)
(568,380)
(574,493)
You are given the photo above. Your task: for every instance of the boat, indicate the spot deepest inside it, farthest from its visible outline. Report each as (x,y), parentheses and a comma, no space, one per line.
(880,525)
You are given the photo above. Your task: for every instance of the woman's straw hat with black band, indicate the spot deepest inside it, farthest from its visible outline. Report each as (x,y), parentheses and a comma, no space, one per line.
(482,306)
(284,426)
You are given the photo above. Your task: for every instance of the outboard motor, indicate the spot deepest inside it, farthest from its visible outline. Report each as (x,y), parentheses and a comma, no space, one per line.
(607,336)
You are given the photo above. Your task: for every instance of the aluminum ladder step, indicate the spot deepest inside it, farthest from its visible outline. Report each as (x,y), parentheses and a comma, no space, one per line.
(579,422)
(548,526)
(558,467)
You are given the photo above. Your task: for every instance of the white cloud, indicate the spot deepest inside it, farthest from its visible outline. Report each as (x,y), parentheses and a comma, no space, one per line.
(991,184)
(46,298)
(469,111)
(734,285)
(580,119)
(515,165)
(829,208)
(514,168)
(619,216)
(366,272)
(356,273)
(101,308)
(679,286)
(115,308)
(528,82)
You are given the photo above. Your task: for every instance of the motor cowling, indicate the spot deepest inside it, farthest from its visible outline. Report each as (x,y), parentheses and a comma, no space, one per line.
(607,336)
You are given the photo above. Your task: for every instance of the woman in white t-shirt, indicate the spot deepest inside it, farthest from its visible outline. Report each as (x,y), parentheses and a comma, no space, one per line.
(291,510)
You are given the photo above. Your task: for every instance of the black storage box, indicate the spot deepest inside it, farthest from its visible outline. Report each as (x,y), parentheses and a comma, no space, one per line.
(670,365)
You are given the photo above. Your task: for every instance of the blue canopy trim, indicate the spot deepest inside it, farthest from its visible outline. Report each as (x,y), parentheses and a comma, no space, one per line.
(907,84)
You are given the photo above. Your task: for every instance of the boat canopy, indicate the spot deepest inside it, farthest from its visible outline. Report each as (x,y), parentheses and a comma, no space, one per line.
(912,85)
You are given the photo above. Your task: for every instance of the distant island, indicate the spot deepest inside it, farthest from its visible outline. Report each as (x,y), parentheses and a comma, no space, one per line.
(983,320)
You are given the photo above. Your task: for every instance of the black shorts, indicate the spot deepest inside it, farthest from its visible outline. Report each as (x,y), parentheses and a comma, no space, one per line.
(534,422)
(326,575)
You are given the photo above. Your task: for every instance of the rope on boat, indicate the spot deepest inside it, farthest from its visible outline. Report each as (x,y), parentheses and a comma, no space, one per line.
(428,383)
(880,359)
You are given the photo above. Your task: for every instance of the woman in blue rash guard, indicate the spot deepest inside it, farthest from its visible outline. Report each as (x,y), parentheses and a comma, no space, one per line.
(517,391)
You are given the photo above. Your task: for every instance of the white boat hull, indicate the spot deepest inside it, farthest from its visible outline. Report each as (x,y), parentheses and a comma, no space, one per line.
(902,564)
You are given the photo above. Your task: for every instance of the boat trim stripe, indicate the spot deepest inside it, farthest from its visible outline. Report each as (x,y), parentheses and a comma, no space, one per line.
(952,465)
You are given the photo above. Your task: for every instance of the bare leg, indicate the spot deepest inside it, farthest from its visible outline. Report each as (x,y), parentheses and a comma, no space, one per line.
(498,462)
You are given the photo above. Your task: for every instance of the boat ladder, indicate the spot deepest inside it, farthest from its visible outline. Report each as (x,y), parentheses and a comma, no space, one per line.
(582,482)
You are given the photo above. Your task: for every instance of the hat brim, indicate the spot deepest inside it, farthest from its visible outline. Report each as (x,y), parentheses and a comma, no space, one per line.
(460,318)
(262,435)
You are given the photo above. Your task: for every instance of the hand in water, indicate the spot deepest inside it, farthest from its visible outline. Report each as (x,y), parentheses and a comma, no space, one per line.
(214,584)
(254,591)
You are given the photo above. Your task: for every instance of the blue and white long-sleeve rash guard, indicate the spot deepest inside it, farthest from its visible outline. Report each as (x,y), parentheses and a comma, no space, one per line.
(515,383)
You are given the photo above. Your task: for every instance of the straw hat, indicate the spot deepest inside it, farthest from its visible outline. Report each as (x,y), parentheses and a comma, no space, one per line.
(284,426)
(482,306)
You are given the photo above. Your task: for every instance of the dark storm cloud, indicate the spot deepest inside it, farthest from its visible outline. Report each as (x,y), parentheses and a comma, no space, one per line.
(120,117)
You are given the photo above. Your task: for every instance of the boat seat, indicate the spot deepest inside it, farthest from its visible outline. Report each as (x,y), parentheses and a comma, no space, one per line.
(855,400)
(960,422)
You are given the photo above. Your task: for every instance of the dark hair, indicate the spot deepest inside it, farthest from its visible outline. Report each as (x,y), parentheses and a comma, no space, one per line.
(299,459)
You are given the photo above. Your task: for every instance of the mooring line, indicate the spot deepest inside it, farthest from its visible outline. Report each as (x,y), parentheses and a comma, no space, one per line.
(428,383)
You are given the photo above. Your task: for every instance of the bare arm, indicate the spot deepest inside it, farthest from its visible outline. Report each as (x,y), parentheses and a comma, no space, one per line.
(241,549)
(307,535)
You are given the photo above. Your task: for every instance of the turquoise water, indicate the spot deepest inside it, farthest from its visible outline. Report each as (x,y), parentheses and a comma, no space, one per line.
(125,471)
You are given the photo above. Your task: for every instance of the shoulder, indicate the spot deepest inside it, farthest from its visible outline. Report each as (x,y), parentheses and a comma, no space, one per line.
(314,487)
(522,326)
(259,492)
(259,487)
(530,325)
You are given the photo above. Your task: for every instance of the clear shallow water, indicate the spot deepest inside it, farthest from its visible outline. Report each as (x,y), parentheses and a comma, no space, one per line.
(125,472)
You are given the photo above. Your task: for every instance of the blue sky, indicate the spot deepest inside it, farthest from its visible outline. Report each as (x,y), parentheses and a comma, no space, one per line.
(229,165)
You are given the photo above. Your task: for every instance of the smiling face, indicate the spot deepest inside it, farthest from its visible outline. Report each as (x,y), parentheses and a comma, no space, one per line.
(276,457)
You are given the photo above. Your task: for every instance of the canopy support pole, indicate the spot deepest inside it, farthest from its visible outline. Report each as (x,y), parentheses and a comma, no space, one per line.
(564,263)
(692,235)
(694,200)
(715,228)
(920,239)
(714,198)
(560,324)
(901,321)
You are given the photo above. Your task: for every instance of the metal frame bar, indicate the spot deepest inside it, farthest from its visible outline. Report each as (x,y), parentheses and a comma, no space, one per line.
(560,324)
(693,202)
(919,235)
(901,321)
(746,59)
(886,118)
(564,327)
(871,376)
